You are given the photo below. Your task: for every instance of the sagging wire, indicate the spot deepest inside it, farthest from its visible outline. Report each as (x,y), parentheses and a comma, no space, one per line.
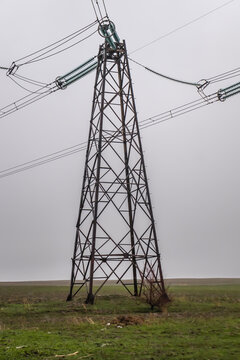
(200,85)
(30,81)
(26,89)
(197,85)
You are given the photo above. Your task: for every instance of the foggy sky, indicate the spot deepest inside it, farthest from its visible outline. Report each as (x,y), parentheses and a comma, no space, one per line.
(192,161)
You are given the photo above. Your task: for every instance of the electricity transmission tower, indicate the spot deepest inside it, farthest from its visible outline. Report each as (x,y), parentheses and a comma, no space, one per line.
(115,231)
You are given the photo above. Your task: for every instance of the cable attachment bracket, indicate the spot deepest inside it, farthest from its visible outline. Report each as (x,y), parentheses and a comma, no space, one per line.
(13,69)
(201,86)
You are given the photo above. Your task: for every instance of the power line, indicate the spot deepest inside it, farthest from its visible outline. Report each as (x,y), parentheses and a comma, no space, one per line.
(105,9)
(30,81)
(95,11)
(165,76)
(200,84)
(143,124)
(24,88)
(224,76)
(182,26)
(180,110)
(59,42)
(49,49)
(44,157)
(100,12)
(47,89)
(28,99)
(41,57)
(11,71)
(32,164)
(154,120)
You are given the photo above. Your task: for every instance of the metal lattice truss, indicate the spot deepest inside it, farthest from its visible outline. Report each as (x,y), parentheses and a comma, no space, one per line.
(115,235)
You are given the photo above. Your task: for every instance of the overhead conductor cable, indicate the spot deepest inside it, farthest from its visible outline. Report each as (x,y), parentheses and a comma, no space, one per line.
(151,121)
(197,85)
(182,26)
(60,83)
(53,46)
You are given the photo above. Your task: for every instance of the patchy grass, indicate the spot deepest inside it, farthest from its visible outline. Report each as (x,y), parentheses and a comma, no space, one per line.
(202,322)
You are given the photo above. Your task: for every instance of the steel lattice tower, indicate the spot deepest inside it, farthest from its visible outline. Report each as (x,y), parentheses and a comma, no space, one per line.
(115,231)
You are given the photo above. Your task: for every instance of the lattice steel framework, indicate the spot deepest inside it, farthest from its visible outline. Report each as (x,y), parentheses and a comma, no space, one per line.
(115,232)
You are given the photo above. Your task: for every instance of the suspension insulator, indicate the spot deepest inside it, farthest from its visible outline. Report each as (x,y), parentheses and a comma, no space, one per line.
(63,81)
(107,30)
(229,91)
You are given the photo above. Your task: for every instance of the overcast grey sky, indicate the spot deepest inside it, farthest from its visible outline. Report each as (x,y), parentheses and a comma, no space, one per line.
(192,161)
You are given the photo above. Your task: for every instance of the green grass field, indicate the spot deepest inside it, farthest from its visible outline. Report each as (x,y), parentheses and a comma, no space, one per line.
(201,323)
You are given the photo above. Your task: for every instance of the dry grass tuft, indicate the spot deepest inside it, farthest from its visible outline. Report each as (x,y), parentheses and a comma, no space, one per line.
(125,320)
